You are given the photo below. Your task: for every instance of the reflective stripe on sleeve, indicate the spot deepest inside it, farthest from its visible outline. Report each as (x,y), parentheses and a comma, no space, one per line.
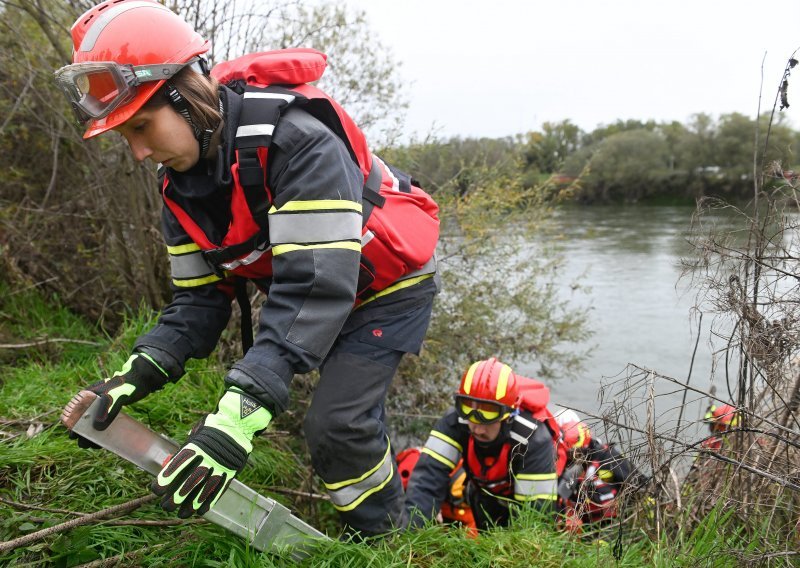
(314,227)
(443,449)
(315,224)
(349,494)
(532,486)
(189,268)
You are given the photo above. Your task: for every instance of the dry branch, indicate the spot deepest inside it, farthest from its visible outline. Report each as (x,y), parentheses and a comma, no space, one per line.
(86,519)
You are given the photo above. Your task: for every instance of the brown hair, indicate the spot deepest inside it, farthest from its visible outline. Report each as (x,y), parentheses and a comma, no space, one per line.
(200,93)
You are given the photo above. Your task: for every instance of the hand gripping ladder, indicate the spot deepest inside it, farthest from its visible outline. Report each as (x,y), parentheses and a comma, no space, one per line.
(265,523)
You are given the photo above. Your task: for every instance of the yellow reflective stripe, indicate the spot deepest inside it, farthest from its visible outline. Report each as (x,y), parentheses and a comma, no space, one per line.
(191,282)
(502,382)
(536,476)
(447,439)
(345,245)
(183,249)
(343,491)
(468,377)
(346,482)
(543,496)
(438,457)
(396,287)
(317,204)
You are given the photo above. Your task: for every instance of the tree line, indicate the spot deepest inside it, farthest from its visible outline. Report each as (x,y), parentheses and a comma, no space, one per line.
(628,161)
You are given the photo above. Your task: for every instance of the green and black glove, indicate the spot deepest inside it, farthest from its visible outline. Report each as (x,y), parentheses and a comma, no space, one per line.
(140,376)
(196,476)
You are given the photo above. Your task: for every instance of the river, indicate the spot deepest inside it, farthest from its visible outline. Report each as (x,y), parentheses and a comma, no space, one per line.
(628,258)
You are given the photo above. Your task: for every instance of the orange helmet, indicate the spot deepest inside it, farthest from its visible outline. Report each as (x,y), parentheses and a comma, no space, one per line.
(576,435)
(488,392)
(123,52)
(722,417)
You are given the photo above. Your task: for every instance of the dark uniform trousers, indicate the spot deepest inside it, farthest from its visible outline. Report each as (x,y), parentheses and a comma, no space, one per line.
(345,426)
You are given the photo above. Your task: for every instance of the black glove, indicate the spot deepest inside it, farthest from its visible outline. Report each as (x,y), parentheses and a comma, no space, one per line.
(140,376)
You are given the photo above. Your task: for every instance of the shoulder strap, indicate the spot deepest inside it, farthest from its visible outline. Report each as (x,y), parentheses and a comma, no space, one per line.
(261,110)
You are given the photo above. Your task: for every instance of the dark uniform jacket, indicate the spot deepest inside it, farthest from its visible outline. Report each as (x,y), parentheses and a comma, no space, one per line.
(311,293)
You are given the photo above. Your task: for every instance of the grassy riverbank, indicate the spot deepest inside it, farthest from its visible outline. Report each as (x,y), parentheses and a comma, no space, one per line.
(45,479)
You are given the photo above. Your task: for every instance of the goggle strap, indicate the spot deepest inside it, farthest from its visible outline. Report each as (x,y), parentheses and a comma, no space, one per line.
(158,72)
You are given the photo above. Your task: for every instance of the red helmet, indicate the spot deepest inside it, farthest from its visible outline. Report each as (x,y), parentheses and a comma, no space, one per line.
(576,435)
(721,417)
(489,388)
(123,51)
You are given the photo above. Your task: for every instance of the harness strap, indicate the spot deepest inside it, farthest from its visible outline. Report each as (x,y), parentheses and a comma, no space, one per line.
(246,323)
(370,196)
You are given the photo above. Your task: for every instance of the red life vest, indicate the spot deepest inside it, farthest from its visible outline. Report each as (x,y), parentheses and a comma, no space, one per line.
(401,226)
(491,473)
(406,461)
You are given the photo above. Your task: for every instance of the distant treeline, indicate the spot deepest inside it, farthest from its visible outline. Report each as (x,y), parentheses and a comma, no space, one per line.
(628,161)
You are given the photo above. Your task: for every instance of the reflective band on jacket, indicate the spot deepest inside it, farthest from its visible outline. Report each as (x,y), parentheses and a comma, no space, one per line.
(189,267)
(530,426)
(303,228)
(349,494)
(531,486)
(313,224)
(443,449)
(255,130)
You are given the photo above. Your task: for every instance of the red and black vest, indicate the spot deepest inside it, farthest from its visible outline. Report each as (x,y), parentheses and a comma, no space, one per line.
(400,224)
(492,473)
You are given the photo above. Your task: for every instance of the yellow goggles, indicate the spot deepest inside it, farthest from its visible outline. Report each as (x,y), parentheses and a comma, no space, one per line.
(481,411)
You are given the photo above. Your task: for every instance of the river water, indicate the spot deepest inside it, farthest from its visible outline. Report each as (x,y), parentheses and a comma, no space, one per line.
(640,310)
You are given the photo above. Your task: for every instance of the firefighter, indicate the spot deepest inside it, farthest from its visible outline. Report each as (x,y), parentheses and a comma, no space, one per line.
(509,455)
(595,474)
(267,180)
(720,419)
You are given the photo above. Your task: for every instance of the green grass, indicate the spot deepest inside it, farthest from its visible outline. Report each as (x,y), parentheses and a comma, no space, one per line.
(49,470)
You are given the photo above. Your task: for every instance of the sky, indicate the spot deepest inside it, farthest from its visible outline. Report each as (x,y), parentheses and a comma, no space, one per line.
(500,67)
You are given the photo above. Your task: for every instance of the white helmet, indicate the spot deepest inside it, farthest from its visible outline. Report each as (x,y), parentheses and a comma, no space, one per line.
(564,415)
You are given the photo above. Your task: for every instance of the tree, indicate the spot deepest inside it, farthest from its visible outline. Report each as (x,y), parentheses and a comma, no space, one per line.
(625,164)
(546,151)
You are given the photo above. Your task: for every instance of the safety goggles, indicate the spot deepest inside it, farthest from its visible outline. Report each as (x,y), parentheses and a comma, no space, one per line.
(95,89)
(479,411)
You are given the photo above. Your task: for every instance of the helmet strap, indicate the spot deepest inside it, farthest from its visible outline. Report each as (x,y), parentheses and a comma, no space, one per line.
(178,102)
